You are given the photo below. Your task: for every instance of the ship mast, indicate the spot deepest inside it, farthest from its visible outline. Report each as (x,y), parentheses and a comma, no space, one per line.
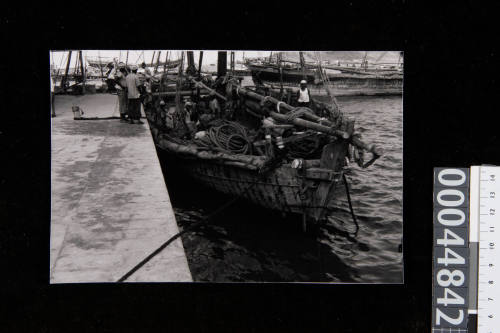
(200,61)
(365,63)
(231,64)
(280,68)
(153,59)
(190,69)
(65,77)
(157,62)
(84,70)
(221,64)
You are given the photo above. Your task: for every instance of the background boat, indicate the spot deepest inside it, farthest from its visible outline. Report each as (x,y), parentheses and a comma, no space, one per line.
(346,73)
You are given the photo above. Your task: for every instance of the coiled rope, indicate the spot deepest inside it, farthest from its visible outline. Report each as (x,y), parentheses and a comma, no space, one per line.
(228,137)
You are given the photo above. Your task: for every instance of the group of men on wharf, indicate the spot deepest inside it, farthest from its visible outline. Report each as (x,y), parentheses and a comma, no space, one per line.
(130,83)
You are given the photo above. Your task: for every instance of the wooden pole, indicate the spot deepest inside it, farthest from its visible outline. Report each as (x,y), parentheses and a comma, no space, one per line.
(282,105)
(53,65)
(190,68)
(280,68)
(309,124)
(202,85)
(77,65)
(100,64)
(296,121)
(153,59)
(83,71)
(165,63)
(65,77)
(232,63)
(181,93)
(200,61)
(178,109)
(157,62)
(126,59)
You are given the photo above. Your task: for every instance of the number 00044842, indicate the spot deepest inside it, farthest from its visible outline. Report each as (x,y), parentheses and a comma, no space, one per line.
(451,198)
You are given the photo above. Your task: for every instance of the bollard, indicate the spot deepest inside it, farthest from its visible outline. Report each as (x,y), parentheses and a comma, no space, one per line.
(77,112)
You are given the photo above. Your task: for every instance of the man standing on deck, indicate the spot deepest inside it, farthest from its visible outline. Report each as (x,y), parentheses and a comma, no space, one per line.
(134,102)
(304,98)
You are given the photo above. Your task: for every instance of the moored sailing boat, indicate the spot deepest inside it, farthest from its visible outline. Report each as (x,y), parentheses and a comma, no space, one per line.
(248,143)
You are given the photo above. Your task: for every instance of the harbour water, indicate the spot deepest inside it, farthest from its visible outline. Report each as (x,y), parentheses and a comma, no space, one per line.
(246,243)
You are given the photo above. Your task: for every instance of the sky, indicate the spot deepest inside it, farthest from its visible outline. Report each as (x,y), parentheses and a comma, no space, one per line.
(58,58)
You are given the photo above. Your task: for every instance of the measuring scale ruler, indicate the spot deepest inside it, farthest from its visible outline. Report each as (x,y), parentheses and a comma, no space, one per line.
(485,236)
(466,251)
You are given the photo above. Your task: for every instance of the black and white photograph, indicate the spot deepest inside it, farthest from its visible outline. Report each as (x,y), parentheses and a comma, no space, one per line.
(226,166)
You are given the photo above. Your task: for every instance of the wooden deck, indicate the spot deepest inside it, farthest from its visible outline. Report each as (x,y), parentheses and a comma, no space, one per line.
(110,205)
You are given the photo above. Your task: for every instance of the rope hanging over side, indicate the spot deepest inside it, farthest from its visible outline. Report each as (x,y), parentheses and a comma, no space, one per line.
(350,204)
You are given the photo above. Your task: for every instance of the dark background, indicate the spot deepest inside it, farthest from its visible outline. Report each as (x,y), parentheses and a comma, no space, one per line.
(450,119)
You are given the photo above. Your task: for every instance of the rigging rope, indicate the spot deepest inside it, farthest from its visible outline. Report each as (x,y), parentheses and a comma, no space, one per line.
(60,64)
(326,81)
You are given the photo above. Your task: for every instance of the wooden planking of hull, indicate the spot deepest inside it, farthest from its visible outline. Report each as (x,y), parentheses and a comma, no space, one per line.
(283,189)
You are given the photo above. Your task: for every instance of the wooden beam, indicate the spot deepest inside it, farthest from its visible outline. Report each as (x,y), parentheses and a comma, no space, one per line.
(202,85)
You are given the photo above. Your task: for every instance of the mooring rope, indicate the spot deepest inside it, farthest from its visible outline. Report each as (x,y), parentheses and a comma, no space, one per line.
(177,235)
(271,165)
(350,204)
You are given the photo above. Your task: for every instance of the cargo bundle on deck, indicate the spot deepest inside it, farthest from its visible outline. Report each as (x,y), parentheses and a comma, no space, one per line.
(256,143)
